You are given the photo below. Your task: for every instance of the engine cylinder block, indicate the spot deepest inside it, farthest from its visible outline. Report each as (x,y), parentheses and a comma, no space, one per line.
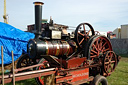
(55,48)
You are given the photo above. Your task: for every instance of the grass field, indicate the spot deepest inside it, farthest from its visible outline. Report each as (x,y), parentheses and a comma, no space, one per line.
(118,77)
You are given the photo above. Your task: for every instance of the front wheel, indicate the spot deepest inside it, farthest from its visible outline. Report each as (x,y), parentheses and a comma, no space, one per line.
(44,80)
(99,80)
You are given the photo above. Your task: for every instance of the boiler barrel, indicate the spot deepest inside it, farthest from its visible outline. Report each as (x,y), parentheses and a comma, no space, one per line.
(55,48)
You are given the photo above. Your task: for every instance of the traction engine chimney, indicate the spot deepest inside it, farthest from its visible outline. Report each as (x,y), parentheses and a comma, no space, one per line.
(38,17)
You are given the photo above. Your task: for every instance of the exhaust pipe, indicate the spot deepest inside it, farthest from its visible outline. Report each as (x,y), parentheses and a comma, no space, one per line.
(38,17)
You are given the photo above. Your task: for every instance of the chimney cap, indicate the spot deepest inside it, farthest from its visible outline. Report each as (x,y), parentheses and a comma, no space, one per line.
(38,3)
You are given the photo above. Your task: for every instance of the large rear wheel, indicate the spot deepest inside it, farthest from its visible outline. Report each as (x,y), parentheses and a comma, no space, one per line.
(97,46)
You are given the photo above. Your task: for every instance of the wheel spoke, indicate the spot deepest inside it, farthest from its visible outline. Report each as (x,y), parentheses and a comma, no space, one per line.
(30,61)
(94,51)
(113,62)
(88,32)
(106,49)
(101,44)
(104,44)
(106,63)
(24,62)
(107,57)
(93,56)
(84,29)
(108,68)
(95,47)
(81,41)
(87,37)
(111,68)
(111,56)
(80,33)
(97,44)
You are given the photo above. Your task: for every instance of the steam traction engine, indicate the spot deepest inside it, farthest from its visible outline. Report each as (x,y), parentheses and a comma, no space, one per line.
(80,59)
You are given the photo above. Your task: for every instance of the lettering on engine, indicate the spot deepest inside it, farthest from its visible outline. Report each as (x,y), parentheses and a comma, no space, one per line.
(80,75)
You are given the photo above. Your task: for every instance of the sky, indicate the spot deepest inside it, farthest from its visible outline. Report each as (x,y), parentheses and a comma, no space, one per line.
(103,15)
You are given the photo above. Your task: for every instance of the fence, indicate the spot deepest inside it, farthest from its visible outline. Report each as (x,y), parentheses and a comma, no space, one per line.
(120,46)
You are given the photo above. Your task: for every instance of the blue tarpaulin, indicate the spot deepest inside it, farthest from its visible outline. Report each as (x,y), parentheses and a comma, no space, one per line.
(13,39)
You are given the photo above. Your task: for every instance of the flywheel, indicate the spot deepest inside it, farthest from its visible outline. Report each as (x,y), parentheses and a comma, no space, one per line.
(83,33)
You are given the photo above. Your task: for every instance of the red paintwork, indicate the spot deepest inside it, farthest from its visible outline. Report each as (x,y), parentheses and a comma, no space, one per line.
(80,74)
(72,63)
(75,62)
(74,76)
